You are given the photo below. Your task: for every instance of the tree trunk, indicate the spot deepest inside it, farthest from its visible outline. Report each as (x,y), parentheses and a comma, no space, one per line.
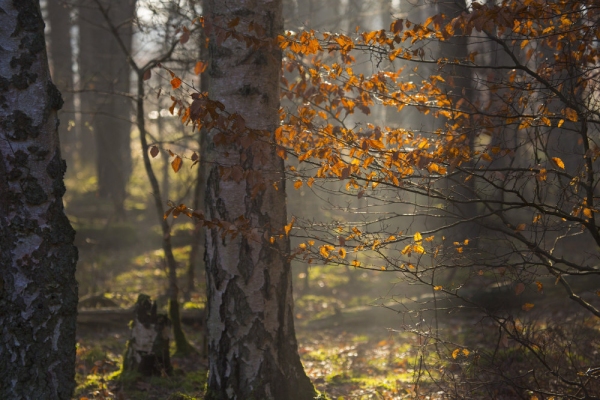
(252,345)
(61,67)
(182,346)
(148,347)
(199,235)
(105,75)
(38,290)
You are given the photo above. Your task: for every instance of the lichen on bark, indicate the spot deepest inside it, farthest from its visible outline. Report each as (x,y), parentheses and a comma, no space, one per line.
(38,290)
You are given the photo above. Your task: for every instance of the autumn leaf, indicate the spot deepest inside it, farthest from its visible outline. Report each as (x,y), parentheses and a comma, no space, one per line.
(571,114)
(437,288)
(519,288)
(147,74)
(288,227)
(540,286)
(342,252)
(558,162)
(455,353)
(200,67)
(154,151)
(176,163)
(418,237)
(527,306)
(175,83)
(297,184)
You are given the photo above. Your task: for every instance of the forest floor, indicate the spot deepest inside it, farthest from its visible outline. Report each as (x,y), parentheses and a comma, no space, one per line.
(362,334)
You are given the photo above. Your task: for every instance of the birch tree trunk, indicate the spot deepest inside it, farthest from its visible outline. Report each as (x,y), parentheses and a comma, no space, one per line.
(252,345)
(38,290)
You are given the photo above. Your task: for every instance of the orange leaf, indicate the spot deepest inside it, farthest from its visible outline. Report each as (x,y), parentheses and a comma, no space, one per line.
(175,82)
(176,163)
(288,227)
(527,306)
(437,288)
(297,184)
(455,353)
(571,114)
(200,67)
(558,162)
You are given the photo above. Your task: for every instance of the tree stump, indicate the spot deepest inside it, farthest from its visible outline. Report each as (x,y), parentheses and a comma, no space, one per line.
(147,350)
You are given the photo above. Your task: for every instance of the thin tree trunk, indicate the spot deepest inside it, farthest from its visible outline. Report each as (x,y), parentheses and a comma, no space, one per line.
(62,70)
(38,290)
(181,344)
(199,237)
(252,344)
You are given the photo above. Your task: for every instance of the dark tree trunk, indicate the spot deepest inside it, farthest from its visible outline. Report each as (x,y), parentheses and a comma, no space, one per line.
(107,109)
(38,290)
(252,344)
(61,67)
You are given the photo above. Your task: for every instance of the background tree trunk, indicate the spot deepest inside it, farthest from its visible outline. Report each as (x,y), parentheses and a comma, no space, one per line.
(105,75)
(252,345)
(61,67)
(38,291)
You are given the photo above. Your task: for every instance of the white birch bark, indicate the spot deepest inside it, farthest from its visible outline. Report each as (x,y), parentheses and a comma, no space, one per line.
(252,344)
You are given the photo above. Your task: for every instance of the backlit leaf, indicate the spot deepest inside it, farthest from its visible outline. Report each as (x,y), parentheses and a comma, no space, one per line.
(176,163)
(559,163)
(175,83)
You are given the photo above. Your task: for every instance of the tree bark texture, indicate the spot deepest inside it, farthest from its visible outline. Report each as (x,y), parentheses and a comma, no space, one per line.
(38,290)
(252,345)
(106,107)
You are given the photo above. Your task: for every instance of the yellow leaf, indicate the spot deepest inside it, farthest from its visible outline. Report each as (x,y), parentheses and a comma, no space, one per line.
(466,352)
(418,237)
(587,212)
(356,263)
(419,249)
(562,121)
(342,252)
(527,306)
(455,353)
(288,227)
(297,184)
(437,288)
(539,285)
(558,162)
(302,246)
(272,239)
(537,218)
